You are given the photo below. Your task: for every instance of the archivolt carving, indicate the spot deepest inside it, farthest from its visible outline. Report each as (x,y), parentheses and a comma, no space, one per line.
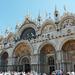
(24,60)
(67,22)
(47,26)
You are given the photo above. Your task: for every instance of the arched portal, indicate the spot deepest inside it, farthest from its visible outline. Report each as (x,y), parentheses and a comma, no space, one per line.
(25,64)
(69,55)
(4,61)
(22,53)
(47,58)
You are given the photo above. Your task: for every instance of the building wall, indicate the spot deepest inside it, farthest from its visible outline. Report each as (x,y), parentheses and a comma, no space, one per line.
(56,36)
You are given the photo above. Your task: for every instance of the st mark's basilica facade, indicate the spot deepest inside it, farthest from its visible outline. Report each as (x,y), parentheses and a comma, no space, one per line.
(43,47)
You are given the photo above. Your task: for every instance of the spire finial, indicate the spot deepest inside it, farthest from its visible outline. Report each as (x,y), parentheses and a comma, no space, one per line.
(39,18)
(49,15)
(7,31)
(46,15)
(56,15)
(55,8)
(65,8)
(27,14)
(56,12)
(17,25)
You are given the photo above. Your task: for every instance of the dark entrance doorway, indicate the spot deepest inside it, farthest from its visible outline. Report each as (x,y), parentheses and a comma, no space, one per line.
(74,67)
(25,65)
(51,64)
(27,68)
(52,68)
(4,61)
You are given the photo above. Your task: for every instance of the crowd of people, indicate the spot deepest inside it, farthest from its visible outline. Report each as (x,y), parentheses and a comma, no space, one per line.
(24,73)
(21,73)
(18,73)
(35,73)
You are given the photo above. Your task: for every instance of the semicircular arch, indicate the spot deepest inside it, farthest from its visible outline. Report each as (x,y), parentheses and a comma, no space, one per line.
(64,41)
(24,59)
(47,24)
(69,45)
(45,43)
(25,27)
(28,33)
(67,21)
(23,47)
(4,54)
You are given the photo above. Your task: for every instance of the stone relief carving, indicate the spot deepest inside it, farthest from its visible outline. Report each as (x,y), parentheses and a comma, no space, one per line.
(47,28)
(67,23)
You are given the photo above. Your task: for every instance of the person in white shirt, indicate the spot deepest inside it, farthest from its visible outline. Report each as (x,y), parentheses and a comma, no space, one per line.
(72,73)
(1,73)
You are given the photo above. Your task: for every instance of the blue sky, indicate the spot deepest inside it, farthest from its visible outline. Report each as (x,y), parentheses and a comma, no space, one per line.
(14,11)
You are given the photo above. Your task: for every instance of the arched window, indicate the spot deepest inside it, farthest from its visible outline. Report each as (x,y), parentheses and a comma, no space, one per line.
(25,64)
(28,33)
(51,60)
(4,61)
(25,60)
